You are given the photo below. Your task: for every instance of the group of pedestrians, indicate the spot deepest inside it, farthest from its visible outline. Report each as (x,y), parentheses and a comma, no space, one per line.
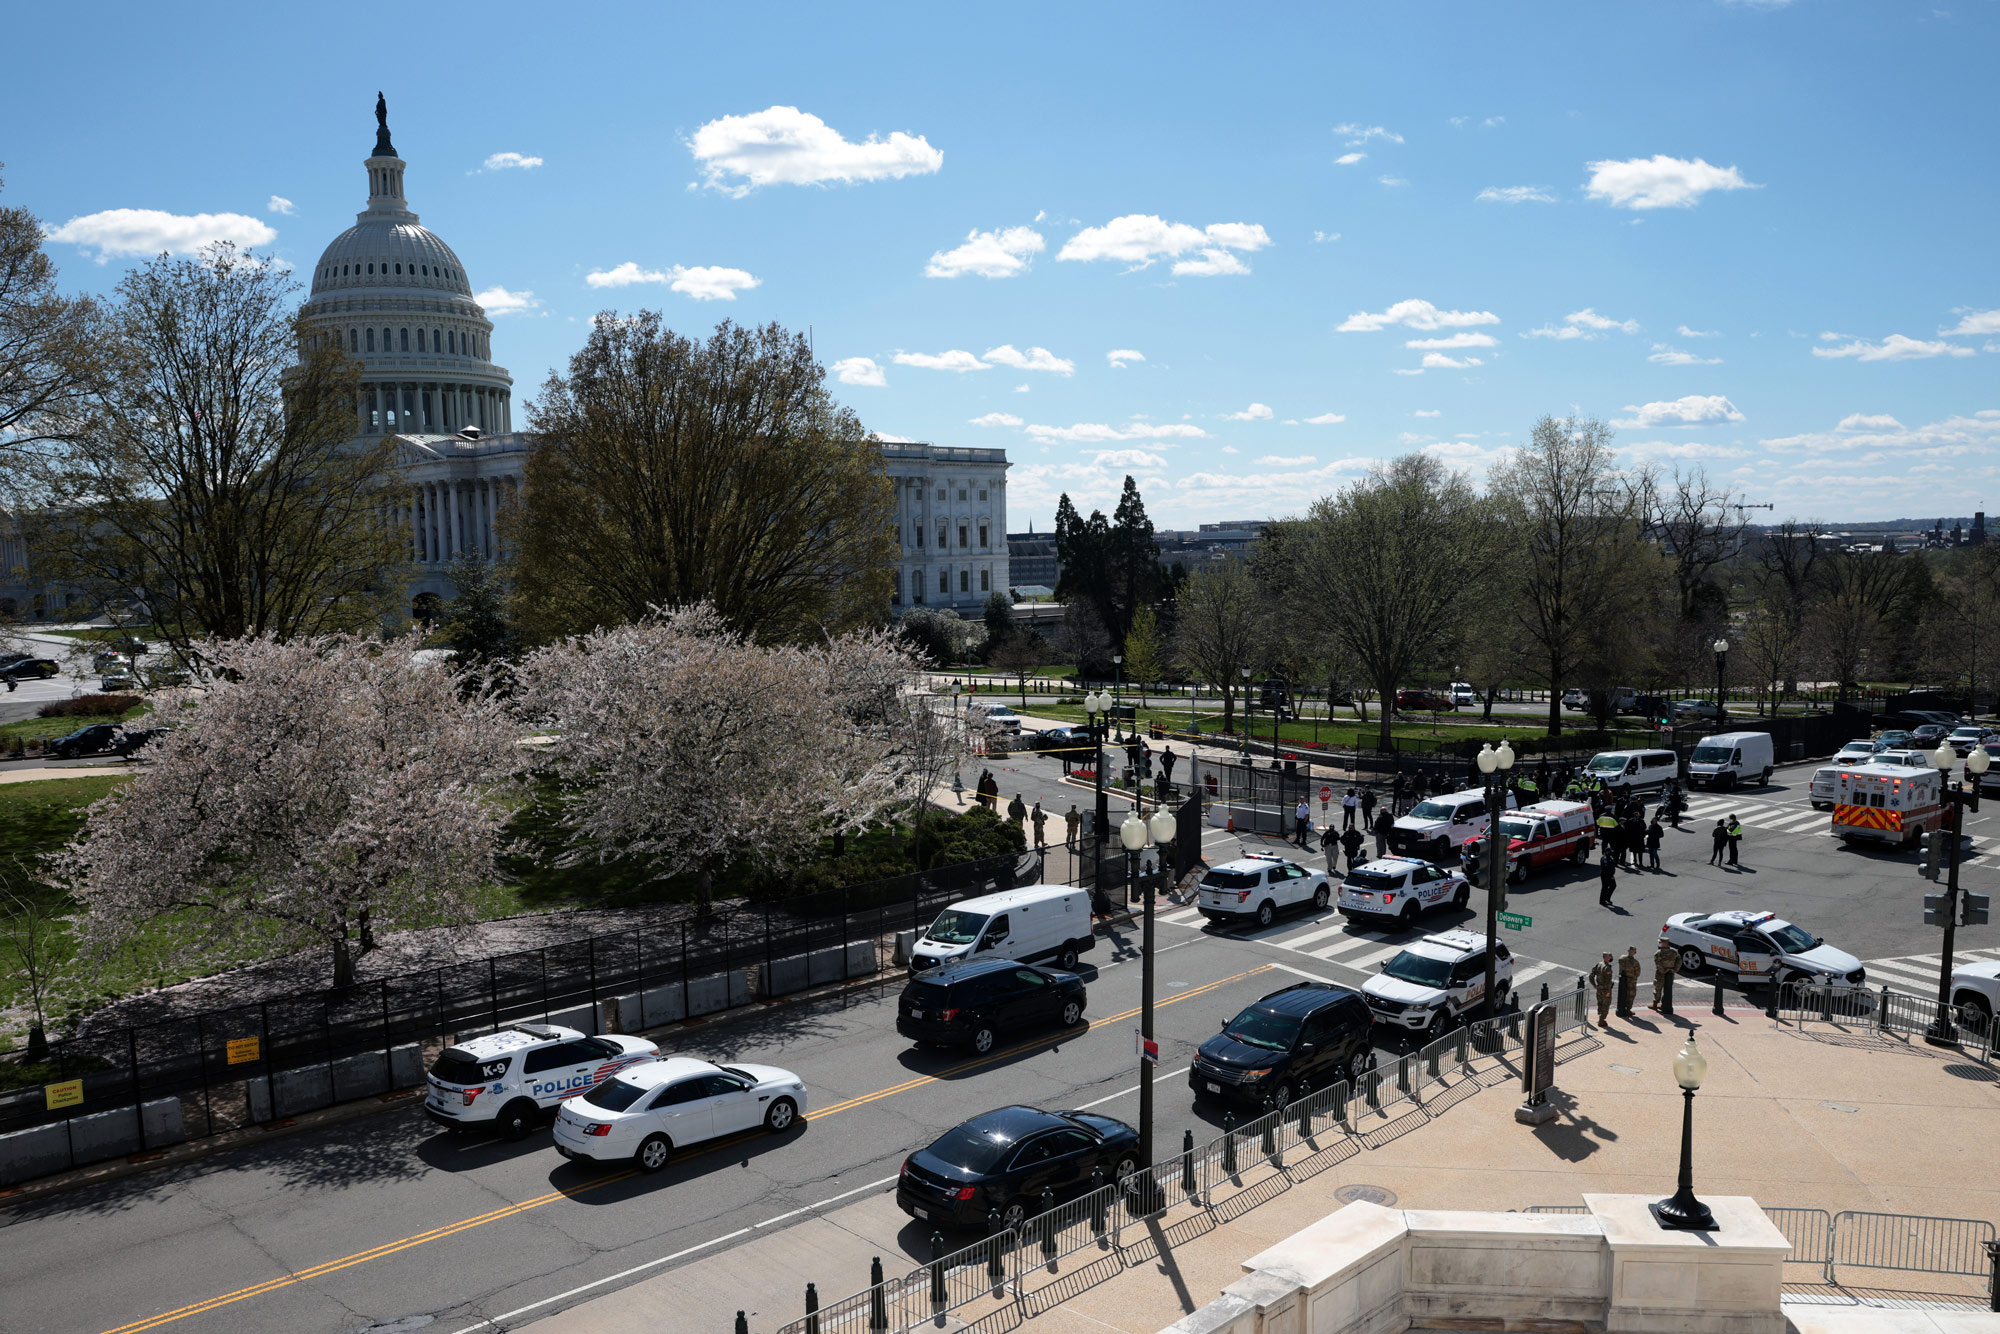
(1624,975)
(1728,838)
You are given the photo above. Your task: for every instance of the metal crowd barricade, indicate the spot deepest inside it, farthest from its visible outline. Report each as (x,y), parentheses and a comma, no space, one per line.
(1883,1011)
(1912,1242)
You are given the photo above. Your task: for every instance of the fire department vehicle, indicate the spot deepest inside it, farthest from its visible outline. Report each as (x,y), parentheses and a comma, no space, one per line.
(1537,836)
(1887,803)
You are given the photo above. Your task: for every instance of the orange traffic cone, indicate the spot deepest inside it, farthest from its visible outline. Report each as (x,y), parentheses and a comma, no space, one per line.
(1232,822)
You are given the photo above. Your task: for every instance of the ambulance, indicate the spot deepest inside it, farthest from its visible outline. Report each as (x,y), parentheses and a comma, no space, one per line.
(1540,835)
(1886,803)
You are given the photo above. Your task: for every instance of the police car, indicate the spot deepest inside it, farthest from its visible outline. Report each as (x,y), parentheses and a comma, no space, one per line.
(1758,947)
(1436,981)
(1259,886)
(1398,889)
(507,1080)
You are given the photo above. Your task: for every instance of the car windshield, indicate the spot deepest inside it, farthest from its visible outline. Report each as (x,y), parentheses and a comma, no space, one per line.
(1712,754)
(1517,829)
(1261,1028)
(970,1150)
(1230,880)
(1607,764)
(614,1095)
(953,927)
(1373,882)
(1791,939)
(1968,733)
(1430,810)
(1418,968)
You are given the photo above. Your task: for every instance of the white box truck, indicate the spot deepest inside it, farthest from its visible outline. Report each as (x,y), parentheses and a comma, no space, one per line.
(1731,759)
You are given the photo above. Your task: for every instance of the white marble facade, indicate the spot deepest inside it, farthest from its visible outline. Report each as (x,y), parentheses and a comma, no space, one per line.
(951,518)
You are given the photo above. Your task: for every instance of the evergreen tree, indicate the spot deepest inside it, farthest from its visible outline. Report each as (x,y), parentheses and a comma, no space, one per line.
(476,629)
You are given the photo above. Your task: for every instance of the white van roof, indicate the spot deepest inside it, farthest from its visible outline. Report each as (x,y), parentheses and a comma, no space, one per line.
(1886,770)
(1732,738)
(1460,797)
(1649,750)
(1024,897)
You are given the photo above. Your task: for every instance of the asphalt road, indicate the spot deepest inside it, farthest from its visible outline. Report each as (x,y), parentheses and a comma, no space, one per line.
(384,1220)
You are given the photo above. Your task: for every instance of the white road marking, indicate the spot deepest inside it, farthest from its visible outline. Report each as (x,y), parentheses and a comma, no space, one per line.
(1300,942)
(494,1322)
(1531,972)
(1365,960)
(1310,977)
(1345,946)
(1113,1097)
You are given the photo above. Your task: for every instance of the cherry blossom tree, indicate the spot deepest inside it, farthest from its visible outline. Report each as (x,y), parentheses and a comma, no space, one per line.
(309,794)
(680,742)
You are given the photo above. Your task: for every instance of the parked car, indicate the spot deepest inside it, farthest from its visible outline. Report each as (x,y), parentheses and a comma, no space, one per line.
(977,1004)
(1856,752)
(1963,739)
(992,717)
(1463,695)
(1435,828)
(1757,946)
(96,739)
(1424,701)
(1003,1160)
(509,1079)
(135,739)
(646,1111)
(1304,1036)
(1729,759)
(40,667)
(1060,738)
(1927,736)
(1258,887)
(1648,706)
(1704,709)
(1576,699)
(1896,738)
(1975,992)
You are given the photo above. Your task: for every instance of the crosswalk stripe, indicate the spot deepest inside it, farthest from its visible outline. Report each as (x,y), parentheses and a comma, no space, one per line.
(1368,960)
(1522,976)
(1299,942)
(1905,974)
(1348,946)
(1178,917)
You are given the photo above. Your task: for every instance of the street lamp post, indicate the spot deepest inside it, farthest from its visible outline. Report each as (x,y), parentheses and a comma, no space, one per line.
(1494,764)
(1118,697)
(1133,834)
(1943,1032)
(1094,705)
(1721,647)
(1682,1212)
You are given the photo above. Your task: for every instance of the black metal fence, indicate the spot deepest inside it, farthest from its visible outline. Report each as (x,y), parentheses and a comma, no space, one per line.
(116,1090)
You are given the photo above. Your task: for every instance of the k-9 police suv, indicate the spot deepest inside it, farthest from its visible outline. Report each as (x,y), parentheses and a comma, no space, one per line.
(1397,889)
(507,1080)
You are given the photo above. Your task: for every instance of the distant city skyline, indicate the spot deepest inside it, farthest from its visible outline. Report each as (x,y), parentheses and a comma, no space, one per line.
(1240,262)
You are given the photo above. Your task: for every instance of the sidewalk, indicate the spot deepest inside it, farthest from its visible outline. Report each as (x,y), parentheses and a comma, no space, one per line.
(1821,1120)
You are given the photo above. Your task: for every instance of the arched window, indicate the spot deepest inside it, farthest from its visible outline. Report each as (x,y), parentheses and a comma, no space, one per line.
(406,340)
(353,341)
(371,340)
(385,340)
(437,341)
(453,341)
(371,268)
(399,269)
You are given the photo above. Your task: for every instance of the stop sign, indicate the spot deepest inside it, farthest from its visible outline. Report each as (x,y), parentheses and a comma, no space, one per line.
(1325,795)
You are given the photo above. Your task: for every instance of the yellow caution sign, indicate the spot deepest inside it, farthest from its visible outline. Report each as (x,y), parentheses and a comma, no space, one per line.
(69,1093)
(244,1049)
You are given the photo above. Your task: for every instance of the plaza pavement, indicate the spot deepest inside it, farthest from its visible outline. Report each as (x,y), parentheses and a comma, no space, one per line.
(1820,1119)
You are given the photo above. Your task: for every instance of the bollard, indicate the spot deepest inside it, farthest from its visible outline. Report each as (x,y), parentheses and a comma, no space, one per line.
(1718,995)
(743,1323)
(1097,1198)
(1305,1107)
(1270,1129)
(1342,1092)
(1229,1143)
(1187,1163)
(1993,1257)
(1771,1005)
(1463,1055)
(878,1309)
(1545,991)
(812,1309)
(1402,1074)
(996,1268)
(1514,1026)
(1433,1054)
(1048,1222)
(1882,1011)
(1826,1005)
(1374,1088)
(937,1269)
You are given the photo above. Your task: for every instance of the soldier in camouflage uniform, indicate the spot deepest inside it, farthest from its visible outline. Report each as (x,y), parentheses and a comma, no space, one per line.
(1601,978)
(1666,962)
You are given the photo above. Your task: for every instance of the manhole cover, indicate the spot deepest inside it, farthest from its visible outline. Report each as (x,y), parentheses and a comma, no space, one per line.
(1366,1195)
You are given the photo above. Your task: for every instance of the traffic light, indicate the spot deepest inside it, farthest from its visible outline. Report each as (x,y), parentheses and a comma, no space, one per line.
(1930,863)
(1935,911)
(1972,909)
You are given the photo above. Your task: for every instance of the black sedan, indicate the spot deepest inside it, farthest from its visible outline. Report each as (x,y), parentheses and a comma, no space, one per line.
(1060,738)
(1003,1161)
(93,740)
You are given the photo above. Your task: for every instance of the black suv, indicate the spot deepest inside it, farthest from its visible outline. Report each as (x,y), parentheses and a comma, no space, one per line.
(92,740)
(975,1004)
(1308,1035)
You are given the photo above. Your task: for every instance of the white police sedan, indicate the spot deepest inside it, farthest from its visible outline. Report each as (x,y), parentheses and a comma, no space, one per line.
(1758,947)
(649,1110)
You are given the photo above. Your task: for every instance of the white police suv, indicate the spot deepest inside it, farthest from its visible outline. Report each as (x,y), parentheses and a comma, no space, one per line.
(1259,886)
(1397,889)
(507,1080)
(1436,981)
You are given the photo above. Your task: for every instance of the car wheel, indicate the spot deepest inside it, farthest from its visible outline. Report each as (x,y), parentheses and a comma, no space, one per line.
(653,1154)
(1266,913)
(1441,850)
(1463,896)
(982,1039)
(1408,920)
(1360,1066)
(1072,1014)
(516,1119)
(1765,781)
(1015,1214)
(1437,1026)
(1124,1167)
(1281,1097)
(1066,958)
(1518,872)
(1582,854)
(1692,961)
(1973,1011)
(1321,897)
(783,1112)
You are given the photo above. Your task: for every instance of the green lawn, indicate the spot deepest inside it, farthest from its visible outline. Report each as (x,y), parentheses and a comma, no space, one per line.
(53,727)
(1342,733)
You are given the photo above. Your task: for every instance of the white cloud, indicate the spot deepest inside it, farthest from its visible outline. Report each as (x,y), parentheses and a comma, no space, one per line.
(280,204)
(1357,135)
(997,419)
(1256,412)
(1699,333)
(1099,433)
(995,254)
(1391,180)
(1123,356)
(1327,419)
(1970,322)
(1128,458)
(783,145)
(498,301)
(1287,460)
(510,162)
(148,231)
(1427,412)
(1034,359)
(1860,421)
(702,282)
(1416,314)
(1492,121)
(1349,159)
(1454,340)
(1691,410)
(1691,451)
(1585,323)
(1893,348)
(1321,238)
(1020,389)
(861,371)
(1665,355)
(1516,194)
(1139,239)
(1659,181)
(955,360)
(1438,361)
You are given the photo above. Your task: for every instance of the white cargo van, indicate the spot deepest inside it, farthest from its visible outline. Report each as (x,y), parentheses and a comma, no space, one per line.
(1639,771)
(1025,925)
(1731,759)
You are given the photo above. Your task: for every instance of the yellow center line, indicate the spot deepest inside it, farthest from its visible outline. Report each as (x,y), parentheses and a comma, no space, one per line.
(570,1192)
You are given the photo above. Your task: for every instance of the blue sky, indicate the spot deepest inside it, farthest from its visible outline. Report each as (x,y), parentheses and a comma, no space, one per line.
(1756,236)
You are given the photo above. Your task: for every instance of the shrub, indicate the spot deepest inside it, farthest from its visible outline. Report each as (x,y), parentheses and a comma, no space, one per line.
(83,706)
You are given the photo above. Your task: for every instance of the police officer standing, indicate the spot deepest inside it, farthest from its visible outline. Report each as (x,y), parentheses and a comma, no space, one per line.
(1628,981)
(1666,962)
(1601,978)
